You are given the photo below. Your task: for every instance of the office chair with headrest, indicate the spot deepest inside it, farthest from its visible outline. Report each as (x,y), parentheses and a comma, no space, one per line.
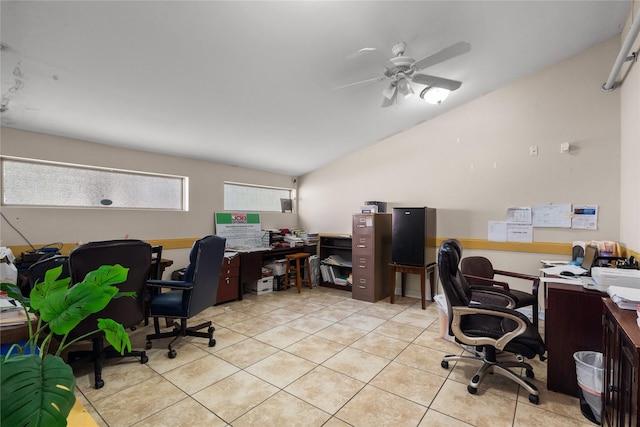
(489,328)
(40,268)
(480,272)
(190,296)
(132,254)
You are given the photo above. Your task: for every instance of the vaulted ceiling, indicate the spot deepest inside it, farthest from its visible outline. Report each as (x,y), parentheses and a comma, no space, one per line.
(252,83)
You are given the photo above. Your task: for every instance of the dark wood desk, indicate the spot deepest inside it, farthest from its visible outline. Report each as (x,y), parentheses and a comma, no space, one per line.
(573,322)
(413,269)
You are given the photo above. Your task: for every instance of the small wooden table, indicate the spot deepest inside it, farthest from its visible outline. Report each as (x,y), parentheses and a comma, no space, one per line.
(413,269)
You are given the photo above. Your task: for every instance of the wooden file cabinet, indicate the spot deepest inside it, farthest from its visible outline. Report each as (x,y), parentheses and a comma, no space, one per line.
(371,254)
(229,283)
(621,366)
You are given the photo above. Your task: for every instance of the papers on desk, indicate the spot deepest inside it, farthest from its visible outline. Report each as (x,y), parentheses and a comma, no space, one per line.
(557,269)
(625,298)
(11,313)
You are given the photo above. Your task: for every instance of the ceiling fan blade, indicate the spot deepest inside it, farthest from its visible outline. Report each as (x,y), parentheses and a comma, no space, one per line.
(375,79)
(436,81)
(388,102)
(443,55)
(364,51)
(389,91)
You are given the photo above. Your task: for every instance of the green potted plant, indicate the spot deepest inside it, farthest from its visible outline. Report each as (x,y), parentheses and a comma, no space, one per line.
(37,388)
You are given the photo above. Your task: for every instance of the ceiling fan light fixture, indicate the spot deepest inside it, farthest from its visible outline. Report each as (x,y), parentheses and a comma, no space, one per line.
(434,95)
(404,88)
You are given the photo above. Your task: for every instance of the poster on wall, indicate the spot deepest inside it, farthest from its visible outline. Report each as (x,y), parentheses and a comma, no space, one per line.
(242,230)
(585,217)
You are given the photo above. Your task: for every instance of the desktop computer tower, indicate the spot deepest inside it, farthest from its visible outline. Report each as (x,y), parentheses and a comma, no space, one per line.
(413,233)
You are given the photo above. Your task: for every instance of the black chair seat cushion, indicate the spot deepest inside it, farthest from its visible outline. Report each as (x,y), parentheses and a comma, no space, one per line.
(529,344)
(523,299)
(169,304)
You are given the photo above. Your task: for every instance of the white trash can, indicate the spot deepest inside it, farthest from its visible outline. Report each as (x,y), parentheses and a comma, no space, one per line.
(589,368)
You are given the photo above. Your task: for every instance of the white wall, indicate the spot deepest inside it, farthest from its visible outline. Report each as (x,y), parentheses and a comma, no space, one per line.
(630,144)
(472,163)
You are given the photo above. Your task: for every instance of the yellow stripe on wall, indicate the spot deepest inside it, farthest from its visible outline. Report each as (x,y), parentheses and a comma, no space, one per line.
(481,244)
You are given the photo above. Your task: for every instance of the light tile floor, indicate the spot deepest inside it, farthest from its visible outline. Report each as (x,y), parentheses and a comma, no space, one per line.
(318,358)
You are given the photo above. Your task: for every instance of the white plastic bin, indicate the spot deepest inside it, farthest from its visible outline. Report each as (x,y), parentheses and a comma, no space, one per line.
(443,314)
(589,367)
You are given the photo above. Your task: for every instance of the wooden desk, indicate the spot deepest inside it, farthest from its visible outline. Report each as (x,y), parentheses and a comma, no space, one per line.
(413,269)
(573,322)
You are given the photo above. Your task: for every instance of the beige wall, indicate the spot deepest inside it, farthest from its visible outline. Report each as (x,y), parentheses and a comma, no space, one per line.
(48,225)
(630,145)
(472,163)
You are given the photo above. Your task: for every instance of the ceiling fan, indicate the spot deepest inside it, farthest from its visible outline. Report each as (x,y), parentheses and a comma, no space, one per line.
(403,70)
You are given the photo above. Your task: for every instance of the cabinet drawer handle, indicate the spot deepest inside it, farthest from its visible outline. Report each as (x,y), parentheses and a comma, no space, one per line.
(361,246)
(360,225)
(227,280)
(362,266)
(362,287)
(363,280)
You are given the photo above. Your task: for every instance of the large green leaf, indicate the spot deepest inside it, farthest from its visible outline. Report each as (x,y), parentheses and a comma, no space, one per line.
(36,392)
(107,275)
(64,311)
(115,334)
(50,286)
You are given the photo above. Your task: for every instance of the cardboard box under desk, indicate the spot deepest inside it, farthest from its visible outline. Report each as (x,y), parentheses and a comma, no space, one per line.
(260,286)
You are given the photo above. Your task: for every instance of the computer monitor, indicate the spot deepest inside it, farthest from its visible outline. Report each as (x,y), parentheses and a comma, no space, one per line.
(590,254)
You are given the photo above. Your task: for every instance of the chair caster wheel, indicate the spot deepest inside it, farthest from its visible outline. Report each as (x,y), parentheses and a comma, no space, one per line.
(148,345)
(212,342)
(534,399)
(211,329)
(444,364)
(529,373)
(144,359)
(472,390)
(99,384)
(172,354)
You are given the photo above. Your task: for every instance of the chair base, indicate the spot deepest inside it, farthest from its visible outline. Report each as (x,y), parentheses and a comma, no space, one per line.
(181,330)
(98,354)
(489,364)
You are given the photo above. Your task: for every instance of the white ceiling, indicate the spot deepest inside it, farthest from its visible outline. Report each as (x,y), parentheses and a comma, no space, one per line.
(250,83)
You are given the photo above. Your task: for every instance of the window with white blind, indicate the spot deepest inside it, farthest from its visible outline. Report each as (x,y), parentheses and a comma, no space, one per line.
(247,197)
(27,182)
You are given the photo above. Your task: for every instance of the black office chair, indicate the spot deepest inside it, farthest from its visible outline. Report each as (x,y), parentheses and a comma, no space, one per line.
(190,296)
(132,254)
(489,329)
(479,271)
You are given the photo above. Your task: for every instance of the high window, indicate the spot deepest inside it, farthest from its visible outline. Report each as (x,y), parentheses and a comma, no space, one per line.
(246,197)
(27,182)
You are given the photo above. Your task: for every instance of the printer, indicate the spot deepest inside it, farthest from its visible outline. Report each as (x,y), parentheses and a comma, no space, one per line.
(606,276)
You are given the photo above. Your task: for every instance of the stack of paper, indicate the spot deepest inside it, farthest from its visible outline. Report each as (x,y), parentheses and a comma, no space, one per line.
(11,313)
(625,298)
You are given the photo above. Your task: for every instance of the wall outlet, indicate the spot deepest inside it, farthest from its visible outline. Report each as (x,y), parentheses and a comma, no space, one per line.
(533,150)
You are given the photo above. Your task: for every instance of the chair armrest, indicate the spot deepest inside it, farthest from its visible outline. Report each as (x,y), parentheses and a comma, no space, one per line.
(500,343)
(171,284)
(493,292)
(487,282)
(534,279)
